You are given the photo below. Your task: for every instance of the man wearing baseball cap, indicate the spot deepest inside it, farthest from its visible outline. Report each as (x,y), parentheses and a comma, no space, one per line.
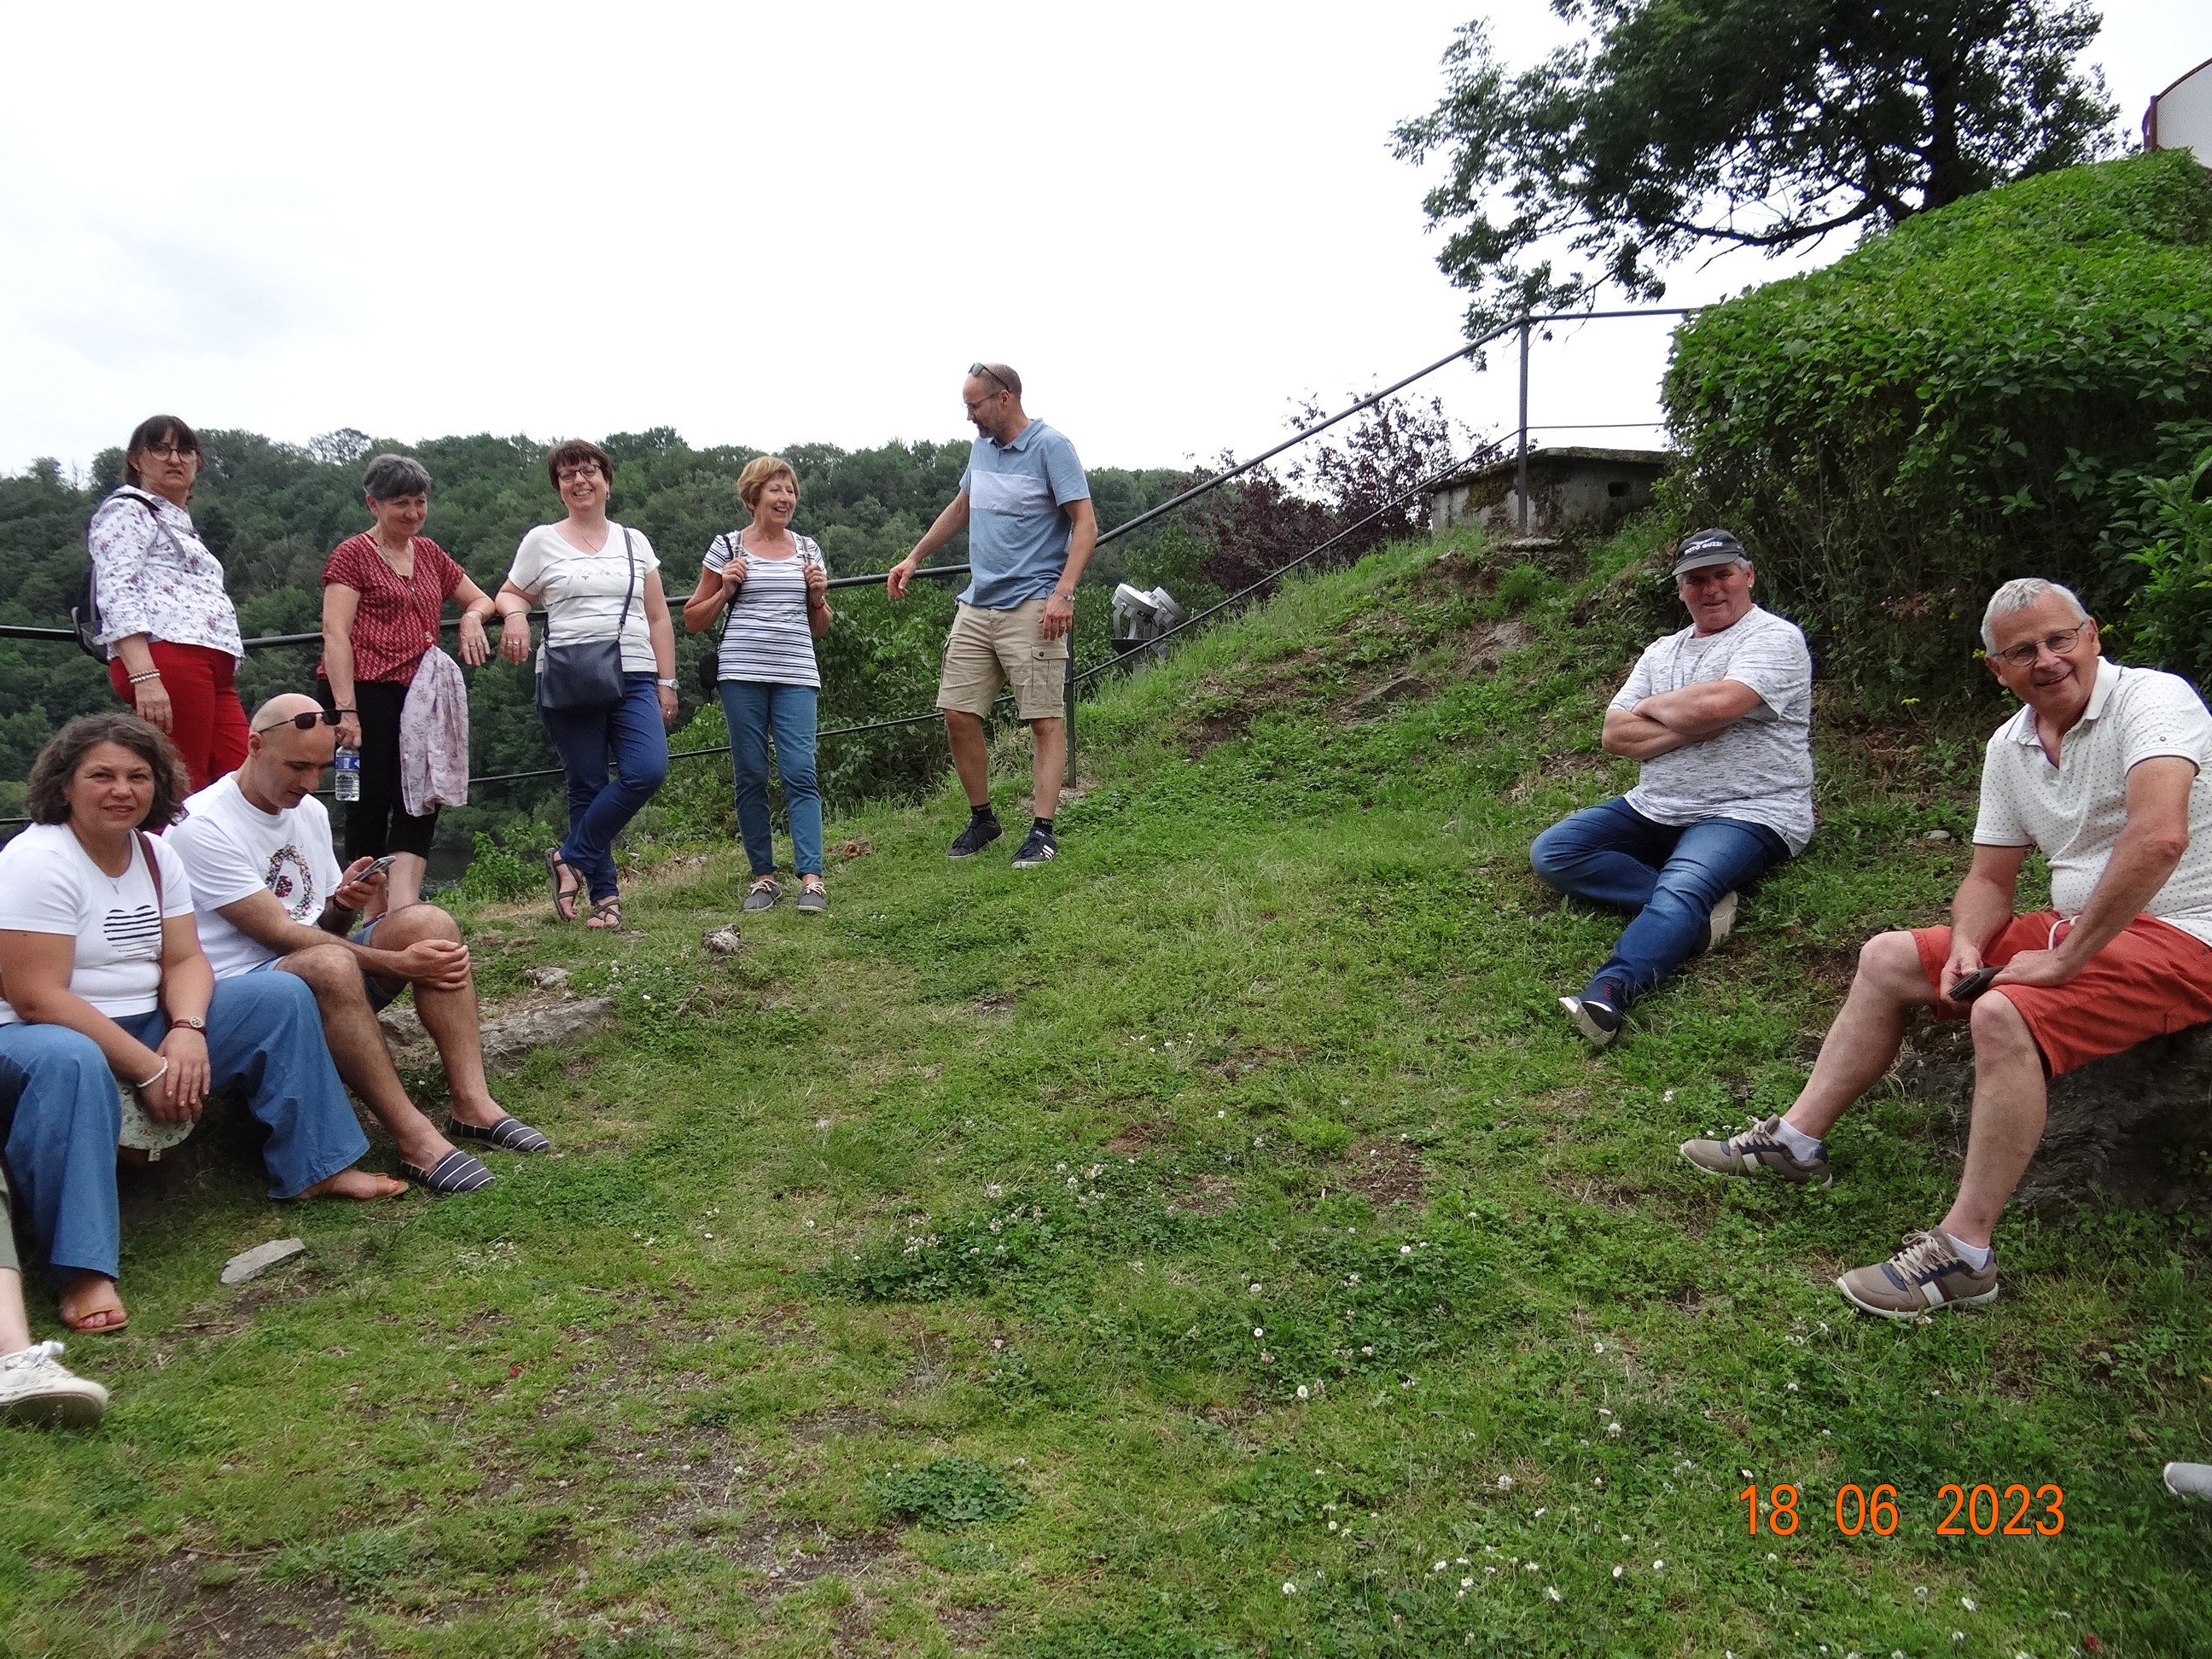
(1720,714)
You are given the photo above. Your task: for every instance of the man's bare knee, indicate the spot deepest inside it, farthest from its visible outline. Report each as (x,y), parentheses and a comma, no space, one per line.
(1997,1024)
(330,970)
(401,928)
(1890,963)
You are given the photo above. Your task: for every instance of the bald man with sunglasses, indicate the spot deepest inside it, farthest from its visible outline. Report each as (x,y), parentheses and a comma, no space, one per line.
(269,896)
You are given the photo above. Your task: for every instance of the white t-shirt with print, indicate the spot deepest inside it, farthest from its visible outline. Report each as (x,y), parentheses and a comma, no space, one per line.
(1761,768)
(2073,812)
(49,884)
(233,849)
(582,593)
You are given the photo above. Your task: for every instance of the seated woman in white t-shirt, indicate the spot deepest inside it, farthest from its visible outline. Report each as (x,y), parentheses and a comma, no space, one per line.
(597,580)
(103,980)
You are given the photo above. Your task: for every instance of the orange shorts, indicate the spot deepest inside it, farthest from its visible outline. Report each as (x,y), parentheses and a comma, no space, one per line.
(2150,980)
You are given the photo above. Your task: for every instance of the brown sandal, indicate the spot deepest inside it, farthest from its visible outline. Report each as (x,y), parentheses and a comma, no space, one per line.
(606,913)
(564,898)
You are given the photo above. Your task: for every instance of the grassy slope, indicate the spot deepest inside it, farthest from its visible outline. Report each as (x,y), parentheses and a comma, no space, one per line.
(1009,1169)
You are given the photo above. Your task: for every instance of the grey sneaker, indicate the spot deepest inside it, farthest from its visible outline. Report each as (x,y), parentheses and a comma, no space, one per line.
(763,894)
(813,899)
(1041,848)
(979,833)
(1927,1273)
(1598,1022)
(1760,1147)
(2190,1480)
(1721,922)
(35,1387)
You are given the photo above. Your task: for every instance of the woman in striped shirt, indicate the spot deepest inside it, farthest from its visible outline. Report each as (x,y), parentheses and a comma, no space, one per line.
(773,585)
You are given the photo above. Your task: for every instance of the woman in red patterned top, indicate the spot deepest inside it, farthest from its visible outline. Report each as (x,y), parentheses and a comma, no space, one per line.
(382,594)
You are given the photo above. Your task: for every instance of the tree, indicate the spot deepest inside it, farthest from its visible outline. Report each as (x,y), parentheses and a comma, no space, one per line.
(1689,124)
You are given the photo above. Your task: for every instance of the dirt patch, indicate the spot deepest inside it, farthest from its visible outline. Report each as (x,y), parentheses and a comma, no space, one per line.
(856,848)
(1208,1195)
(1135,1138)
(968,1627)
(213,1602)
(1488,646)
(998,1005)
(818,1426)
(1385,1172)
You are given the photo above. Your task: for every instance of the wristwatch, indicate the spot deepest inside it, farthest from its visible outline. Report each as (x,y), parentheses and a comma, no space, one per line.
(671,684)
(191,1022)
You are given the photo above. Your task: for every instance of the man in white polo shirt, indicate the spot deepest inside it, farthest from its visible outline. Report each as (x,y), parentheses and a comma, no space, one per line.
(2103,772)
(268,894)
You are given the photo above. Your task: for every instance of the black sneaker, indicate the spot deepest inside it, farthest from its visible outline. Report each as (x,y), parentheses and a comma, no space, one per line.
(1039,849)
(1598,1022)
(979,833)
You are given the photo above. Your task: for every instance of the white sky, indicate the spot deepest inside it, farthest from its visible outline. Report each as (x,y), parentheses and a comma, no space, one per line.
(764,225)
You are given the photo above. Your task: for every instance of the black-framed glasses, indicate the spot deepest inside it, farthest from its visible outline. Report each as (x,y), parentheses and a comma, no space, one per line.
(986,370)
(171,452)
(2058,644)
(306,722)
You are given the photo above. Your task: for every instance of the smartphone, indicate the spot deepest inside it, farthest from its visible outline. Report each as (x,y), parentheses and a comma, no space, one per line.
(378,867)
(1972,985)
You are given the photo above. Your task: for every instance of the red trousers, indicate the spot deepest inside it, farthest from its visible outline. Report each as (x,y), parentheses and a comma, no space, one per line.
(206,723)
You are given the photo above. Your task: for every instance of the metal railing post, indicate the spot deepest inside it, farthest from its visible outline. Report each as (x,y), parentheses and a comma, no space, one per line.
(1521,478)
(1067,725)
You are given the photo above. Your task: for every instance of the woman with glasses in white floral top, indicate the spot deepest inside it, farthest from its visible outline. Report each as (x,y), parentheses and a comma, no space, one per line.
(162,614)
(774,586)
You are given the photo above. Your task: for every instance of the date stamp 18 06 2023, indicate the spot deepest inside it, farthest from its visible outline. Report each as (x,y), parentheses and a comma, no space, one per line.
(1986,1510)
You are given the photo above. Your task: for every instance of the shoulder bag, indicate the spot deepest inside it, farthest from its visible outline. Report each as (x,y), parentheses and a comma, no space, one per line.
(586,676)
(710,665)
(141,1132)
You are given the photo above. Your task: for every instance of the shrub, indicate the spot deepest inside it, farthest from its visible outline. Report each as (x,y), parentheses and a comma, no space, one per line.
(508,866)
(1976,395)
(951,1492)
(2169,530)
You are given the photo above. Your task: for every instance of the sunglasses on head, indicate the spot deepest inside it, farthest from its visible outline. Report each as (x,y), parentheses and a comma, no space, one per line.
(306,722)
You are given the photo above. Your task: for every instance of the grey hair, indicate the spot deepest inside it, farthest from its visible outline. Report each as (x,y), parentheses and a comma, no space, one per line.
(391,475)
(2018,594)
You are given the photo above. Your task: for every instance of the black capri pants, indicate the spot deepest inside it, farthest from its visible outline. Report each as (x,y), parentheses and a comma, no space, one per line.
(378,822)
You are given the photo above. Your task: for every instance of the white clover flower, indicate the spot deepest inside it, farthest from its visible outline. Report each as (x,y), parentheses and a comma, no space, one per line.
(1467,1583)
(1746,1474)
(1532,1567)
(1668,1097)
(1658,1566)
(1304,1393)
(1619,1571)
(1489,1572)
(1440,1566)
(1597,1347)
(1258,1330)
(1553,1590)
(1368,1350)
(1613,1428)
(1793,1388)
(1254,1288)
(1289,1588)
(1968,1602)
(1539,1515)
(1331,1526)
(1221,1115)
(1602,1411)
(1772,1556)
(1504,1483)
(1405,1249)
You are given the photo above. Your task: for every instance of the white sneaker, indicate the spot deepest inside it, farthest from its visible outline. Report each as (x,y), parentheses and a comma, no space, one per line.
(35,1387)
(2190,1480)
(1722,923)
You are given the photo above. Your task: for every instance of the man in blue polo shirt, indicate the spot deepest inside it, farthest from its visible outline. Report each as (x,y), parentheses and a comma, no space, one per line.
(1026,504)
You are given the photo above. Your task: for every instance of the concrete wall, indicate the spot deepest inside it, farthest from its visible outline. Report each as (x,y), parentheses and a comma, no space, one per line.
(1569,495)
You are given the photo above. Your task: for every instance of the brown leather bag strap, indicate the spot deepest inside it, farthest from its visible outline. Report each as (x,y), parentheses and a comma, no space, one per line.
(153,869)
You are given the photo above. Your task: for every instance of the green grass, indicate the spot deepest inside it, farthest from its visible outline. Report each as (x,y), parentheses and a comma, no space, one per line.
(1179,1250)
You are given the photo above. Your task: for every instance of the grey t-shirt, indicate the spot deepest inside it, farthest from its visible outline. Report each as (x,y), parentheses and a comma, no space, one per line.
(1760,769)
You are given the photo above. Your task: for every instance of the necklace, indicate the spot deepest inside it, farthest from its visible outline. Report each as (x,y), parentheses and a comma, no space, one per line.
(392,560)
(114,882)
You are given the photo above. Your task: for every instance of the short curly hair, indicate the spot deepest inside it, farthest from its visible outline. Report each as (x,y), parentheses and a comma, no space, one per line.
(757,474)
(46,798)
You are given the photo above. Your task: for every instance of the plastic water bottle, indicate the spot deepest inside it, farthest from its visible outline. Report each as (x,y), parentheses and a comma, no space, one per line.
(349,774)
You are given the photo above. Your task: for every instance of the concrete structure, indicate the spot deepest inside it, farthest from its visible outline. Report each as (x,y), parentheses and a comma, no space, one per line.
(1573,491)
(2180,118)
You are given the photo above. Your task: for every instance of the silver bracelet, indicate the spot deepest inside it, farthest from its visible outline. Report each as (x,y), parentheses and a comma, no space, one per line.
(147,1083)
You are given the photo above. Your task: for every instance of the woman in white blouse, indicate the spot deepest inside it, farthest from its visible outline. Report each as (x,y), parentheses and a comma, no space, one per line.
(165,619)
(774,586)
(595,577)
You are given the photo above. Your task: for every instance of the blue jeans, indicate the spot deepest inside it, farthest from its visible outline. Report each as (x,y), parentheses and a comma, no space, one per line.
(1612,854)
(630,735)
(264,1035)
(757,710)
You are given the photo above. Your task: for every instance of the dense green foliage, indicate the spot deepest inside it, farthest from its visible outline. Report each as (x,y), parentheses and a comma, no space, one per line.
(1331,1254)
(272,512)
(1980,393)
(1687,126)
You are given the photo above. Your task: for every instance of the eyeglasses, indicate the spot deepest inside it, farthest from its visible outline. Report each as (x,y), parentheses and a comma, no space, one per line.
(986,370)
(171,452)
(306,722)
(588,470)
(2023,656)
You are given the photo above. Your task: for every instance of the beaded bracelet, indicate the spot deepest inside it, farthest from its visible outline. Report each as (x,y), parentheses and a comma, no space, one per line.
(150,674)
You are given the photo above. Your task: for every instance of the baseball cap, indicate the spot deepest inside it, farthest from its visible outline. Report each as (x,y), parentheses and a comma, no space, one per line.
(1707,547)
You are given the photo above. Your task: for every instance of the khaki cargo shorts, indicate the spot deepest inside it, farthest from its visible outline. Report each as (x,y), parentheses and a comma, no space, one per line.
(987,649)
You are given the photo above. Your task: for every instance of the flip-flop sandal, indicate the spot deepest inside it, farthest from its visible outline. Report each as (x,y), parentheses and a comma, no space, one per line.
(509,1135)
(606,915)
(81,1327)
(564,898)
(456,1172)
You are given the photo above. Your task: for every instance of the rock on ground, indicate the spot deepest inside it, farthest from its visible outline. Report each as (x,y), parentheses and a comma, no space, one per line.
(2133,1129)
(508,1036)
(252,1264)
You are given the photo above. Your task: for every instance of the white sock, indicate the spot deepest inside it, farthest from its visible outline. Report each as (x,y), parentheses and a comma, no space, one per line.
(1801,1145)
(1975,1256)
